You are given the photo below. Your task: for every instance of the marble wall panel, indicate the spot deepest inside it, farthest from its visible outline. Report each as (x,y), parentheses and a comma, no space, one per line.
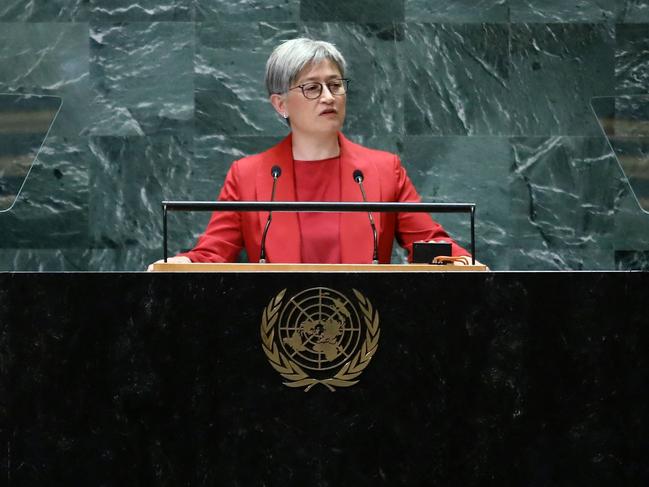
(633,156)
(555,71)
(462,11)
(52,210)
(123,258)
(630,142)
(562,11)
(466,170)
(456,79)
(130,176)
(230,93)
(142,78)
(634,11)
(630,232)
(627,132)
(565,193)
(44,10)
(52,59)
(632,260)
(247,10)
(18,154)
(390,143)
(45,260)
(141,10)
(631,60)
(630,116)
(376,89)
(352,10)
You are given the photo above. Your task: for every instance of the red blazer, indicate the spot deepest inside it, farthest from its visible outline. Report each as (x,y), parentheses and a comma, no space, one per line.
(249,179)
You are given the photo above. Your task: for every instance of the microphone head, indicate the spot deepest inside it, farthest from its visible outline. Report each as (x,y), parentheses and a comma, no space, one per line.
(358,176)
(276,171)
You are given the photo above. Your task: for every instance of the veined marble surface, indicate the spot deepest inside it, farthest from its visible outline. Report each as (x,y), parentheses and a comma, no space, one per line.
(486,101)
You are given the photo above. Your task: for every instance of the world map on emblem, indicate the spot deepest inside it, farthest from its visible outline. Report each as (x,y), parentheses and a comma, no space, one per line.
(319,329)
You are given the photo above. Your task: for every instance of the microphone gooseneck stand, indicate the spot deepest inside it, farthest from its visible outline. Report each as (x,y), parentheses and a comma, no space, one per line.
(358,177)
(275,172)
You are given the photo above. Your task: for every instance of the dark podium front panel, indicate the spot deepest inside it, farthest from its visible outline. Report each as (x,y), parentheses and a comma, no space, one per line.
(478,379)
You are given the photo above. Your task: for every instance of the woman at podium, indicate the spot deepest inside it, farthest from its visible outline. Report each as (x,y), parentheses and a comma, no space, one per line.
(307,87)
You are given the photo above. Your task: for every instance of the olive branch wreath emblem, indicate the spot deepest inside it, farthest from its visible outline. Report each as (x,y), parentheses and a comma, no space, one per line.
(294,374)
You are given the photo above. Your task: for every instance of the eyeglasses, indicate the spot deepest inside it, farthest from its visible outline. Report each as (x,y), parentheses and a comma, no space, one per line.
(313,89)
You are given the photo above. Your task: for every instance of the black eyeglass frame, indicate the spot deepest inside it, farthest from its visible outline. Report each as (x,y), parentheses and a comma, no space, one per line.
(345,84)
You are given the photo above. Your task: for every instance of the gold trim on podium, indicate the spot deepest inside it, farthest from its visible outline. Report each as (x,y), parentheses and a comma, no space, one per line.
(255,267)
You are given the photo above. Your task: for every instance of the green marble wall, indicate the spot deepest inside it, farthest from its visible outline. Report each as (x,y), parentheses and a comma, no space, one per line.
(485,101)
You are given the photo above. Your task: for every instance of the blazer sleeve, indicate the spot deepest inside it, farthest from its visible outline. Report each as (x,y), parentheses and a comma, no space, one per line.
(412,227)
(223,238)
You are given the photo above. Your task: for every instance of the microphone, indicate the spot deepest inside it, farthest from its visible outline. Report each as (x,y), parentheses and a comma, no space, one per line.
(358,178)
(275,172)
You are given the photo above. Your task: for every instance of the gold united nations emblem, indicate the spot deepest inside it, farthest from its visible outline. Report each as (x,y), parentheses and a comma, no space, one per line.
(319,336)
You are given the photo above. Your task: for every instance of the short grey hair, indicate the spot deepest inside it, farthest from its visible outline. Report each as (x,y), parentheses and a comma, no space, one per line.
(291,57)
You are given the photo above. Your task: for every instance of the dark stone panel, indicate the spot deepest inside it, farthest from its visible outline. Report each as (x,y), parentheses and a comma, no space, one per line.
(555,71)
(230,92)
(472,170)
(376,89)
(565,195)
(632,260)
(631,231)
(17,154)
(634,11)
(464,11)
(631,116)
(141,10)
(48,59)
(564,12)
(631,61)
(44,260)
(142,78)
(52,209)
(352,10)
(130,176)
(456,78)
(125,258)
(633,156)
(247,10)
(529,378)
(389,143)
(44,11)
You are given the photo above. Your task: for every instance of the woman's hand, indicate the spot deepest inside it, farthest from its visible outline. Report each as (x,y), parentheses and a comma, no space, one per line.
(170,260)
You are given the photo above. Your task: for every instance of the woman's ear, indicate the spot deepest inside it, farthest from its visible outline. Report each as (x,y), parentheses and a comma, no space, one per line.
(279,104)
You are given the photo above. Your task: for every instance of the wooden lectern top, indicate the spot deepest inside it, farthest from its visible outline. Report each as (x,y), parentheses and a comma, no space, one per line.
(255,267)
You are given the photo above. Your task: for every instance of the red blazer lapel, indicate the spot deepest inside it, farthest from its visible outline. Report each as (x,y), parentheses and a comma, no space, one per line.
(356,239)
(283,240)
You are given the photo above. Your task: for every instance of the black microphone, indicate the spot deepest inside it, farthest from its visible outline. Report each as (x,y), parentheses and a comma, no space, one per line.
(275,172)
(358,177)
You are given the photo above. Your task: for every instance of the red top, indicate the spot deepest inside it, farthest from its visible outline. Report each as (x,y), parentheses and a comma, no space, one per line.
(320,232)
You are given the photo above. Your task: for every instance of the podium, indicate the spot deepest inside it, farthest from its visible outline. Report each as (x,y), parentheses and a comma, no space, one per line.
(476,378)
(297,268)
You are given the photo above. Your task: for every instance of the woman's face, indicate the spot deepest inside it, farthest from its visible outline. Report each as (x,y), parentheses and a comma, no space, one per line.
(323,115)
